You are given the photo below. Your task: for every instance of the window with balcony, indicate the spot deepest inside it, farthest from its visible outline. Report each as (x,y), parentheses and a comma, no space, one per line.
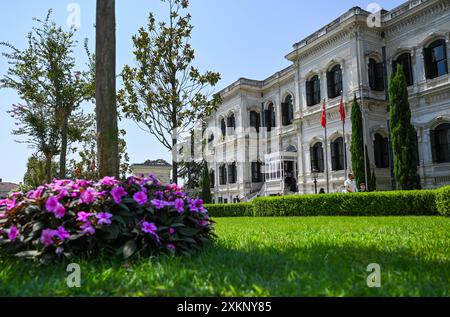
(376,75)
(436,59)
(337,154)
(317,162)
(256,172)
(223,175)
(287,111)
(381,151)
(270,117)
(404,61)
(440,143)
(334,82)
(313,91)
(255,121)
(232,173)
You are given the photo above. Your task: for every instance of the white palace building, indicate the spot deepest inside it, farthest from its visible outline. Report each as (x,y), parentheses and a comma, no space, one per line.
(266,138)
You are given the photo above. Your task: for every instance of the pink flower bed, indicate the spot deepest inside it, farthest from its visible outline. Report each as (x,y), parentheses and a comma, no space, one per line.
(68,218)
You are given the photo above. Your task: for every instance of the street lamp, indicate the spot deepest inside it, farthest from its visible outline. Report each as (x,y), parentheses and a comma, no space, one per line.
(314,173)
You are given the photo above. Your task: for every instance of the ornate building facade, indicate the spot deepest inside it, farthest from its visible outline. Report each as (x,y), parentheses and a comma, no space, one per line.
(266,137)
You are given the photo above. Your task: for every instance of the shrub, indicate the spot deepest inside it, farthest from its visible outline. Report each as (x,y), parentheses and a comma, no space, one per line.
(394,203)
(83,218)
(443,201)
(358,204)
(230,210)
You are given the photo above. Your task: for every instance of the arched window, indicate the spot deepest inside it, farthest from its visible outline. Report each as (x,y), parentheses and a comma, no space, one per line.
(376,75)
(381,151)
(255,121)
(223,174)
(404,61)
(313,91)
(223,127)
(287,110)
(317,163)
(232,173)
(440,143)
(256,172)
(334,81)
(231,123)
(270,117)
(436,59)
(337,154)
(212,178)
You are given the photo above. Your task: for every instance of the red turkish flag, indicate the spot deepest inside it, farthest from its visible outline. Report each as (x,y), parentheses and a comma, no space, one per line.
(323,119)
(342,110)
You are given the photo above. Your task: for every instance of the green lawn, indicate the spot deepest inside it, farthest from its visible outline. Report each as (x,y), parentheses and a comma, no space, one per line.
(270,257)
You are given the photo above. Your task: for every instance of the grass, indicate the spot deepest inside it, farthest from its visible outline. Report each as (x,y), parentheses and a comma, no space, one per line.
(322,256)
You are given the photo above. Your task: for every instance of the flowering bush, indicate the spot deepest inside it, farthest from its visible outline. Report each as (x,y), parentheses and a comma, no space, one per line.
(83,218)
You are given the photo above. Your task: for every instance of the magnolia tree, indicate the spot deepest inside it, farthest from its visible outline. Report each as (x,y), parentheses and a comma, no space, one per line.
(164,93)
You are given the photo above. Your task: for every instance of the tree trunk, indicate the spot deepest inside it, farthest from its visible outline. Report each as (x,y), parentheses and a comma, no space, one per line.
(105,92)
(48,168)
(63,154)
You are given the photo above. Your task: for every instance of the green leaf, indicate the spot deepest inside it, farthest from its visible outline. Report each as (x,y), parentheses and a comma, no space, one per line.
(189,232)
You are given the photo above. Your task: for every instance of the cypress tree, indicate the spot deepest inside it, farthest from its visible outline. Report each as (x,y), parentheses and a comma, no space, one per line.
(357,146)
(403,134)
(205,185)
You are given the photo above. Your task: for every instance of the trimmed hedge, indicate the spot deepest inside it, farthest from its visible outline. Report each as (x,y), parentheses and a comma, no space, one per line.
(230,210)
(443,201)
(394,203)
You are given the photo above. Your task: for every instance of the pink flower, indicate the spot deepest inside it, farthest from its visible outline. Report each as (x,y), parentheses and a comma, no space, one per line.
(3,202)
(47,237)
(171,231)
(88,196)
(84,216)
(179,205)
(51,204)
(117,193)
(13,233)
(108,181)
(60,211)
(149,227)
(62,233)
(141,198)
(104,218)
(159,204)
(10,204)
(171,246)
(87,228)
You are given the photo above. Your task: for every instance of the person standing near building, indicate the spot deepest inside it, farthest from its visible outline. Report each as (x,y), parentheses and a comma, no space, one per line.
(349,184)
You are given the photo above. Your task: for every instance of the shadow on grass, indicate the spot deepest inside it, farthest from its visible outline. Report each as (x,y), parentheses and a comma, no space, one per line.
(316,270)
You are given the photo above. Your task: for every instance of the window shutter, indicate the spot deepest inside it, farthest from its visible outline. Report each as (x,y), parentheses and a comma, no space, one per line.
(428,63)
(312,158)
(284,113)
(320,158)
(273,118)
(309,93)
(380,76)
(371,75)
(333,156)
(339,81)
(330,85)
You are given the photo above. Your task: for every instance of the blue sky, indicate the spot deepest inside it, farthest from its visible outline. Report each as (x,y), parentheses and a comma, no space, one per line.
(238,38)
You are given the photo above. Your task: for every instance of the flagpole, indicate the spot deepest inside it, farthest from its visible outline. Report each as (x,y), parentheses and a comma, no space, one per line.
(343,136)
(326,154)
